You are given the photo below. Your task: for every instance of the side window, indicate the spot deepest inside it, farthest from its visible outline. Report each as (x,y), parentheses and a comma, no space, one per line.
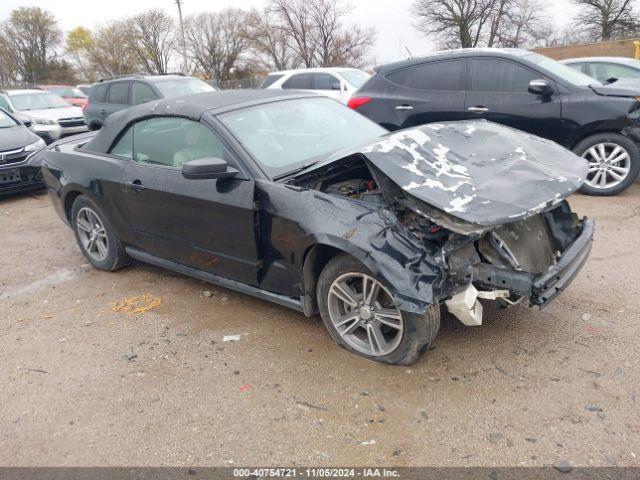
(577,66)
(447,75)
(300,81)
(499,76)
(4,103)
(324,81)
(140,93)
(98,93)
(400,77)
(172,141)
(271,79)
(118,93)
(605,71)
(123,148)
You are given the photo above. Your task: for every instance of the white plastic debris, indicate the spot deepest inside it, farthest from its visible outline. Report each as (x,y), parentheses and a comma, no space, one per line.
(231,338)
(465,306)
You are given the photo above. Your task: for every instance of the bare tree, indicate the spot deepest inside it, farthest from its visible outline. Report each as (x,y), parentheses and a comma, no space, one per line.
(295,16)
(316,32)
(458,23)
(151,37)
(8,69)
(109,54)
(606,19)
(215,41)
(335,45)
(269,42)
(30,36)
(525,24)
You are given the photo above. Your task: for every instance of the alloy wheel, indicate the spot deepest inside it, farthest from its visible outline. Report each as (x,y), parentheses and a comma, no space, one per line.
(363,314)
(92,234)
(609,164)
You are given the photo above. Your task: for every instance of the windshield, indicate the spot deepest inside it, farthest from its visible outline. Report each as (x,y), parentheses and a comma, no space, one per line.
(35,101)
(68,92)
(357,78)
(561,70)
(182,86)
(6,121)
(284,136)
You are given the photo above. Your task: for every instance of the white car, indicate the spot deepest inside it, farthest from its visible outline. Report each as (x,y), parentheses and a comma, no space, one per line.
(338,83)
(51,117)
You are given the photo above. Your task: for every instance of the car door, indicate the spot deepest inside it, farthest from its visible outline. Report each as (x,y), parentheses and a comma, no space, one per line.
(204,224)
(117,98)
(498,90)
(428,92)
(329,85)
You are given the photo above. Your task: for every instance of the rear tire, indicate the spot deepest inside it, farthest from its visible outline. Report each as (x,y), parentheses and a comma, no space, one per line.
(614,163)
(405,336)
(96,236)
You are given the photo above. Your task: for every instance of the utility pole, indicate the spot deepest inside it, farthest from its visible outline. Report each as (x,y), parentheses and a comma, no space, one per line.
(184,43)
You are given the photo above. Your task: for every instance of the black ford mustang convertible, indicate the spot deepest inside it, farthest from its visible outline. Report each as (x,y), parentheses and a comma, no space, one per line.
(296,199)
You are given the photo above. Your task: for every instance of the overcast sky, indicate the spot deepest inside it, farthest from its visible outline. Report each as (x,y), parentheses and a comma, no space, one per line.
(391,18)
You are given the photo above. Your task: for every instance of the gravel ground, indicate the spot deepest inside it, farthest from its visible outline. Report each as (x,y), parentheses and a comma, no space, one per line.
(132,368)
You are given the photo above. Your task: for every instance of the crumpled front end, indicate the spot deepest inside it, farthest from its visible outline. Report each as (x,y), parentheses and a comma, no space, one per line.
(487,212)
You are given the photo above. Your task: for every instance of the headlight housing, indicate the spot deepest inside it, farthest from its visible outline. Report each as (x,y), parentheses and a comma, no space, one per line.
(42,121)
(35,146)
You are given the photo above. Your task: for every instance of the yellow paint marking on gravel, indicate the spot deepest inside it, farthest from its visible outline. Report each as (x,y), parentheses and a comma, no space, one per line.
(138,304)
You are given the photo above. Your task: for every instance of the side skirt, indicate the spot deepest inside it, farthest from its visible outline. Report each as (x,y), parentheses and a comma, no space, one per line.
(215,279)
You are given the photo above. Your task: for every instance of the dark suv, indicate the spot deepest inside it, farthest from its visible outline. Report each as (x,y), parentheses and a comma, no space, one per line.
(111,95)
(520,89)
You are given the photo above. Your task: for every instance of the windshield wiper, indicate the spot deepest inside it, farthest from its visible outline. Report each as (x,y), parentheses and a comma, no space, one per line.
(297,170)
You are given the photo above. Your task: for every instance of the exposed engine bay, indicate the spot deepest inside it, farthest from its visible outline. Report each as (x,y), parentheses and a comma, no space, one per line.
(497,263)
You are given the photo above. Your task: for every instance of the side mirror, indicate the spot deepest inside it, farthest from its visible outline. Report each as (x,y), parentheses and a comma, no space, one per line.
(540,87)
(207,168)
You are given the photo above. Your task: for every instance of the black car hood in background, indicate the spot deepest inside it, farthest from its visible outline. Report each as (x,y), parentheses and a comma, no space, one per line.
(478,171)
(625,87)
(16,137)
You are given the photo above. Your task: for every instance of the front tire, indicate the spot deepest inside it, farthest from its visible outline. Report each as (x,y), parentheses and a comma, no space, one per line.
(614,163)
(96,237)
(360,316)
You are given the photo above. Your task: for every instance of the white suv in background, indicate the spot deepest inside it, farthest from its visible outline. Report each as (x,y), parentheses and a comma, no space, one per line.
(338,83)
(51,117)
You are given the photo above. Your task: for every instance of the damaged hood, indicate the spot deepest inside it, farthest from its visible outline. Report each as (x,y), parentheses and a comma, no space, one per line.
(478,171)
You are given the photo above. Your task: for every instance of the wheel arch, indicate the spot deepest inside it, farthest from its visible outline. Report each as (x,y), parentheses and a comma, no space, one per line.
(593,133)
(69,199)
(316,258)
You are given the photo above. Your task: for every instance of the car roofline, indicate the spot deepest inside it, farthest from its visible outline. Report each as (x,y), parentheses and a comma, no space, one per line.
(241,105)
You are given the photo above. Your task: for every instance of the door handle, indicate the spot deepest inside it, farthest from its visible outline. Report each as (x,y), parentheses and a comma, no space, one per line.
(478,109)
(136,185)
(404,107)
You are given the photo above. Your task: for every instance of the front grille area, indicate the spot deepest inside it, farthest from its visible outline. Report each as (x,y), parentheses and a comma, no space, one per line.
(72,122)
(13,156)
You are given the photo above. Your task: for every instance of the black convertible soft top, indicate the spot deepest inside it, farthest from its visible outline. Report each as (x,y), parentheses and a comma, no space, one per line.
(189,106)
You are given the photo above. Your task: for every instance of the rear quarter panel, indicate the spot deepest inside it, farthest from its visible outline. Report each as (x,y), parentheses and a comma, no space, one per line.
(69,172)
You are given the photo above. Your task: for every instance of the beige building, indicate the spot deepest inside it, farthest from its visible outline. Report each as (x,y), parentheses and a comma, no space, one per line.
(617,48)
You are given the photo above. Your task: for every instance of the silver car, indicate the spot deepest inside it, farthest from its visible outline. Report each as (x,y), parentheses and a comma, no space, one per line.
(51,117)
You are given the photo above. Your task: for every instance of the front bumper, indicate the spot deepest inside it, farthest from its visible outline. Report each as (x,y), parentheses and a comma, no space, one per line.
(540,289)
(30,178)
(51,133)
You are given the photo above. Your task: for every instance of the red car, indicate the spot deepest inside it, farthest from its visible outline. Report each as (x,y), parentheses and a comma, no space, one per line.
(73,95)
